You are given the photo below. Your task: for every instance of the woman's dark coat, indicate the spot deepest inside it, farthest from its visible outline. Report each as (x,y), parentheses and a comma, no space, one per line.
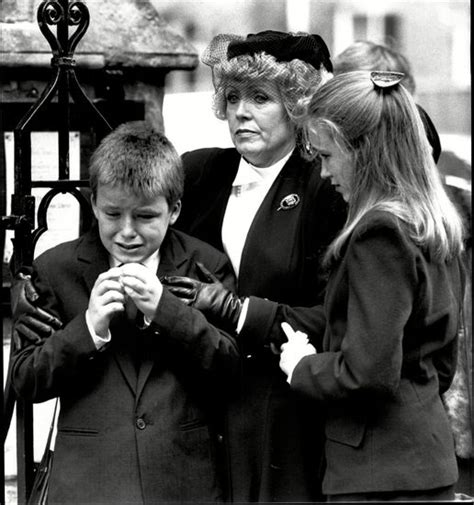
(274,440)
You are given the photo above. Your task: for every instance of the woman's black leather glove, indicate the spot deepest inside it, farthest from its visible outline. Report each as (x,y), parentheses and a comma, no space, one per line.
(31,325)
(221,306)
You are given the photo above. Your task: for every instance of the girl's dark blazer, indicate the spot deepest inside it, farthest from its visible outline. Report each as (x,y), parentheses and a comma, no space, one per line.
(273,459)
(131,433)
(390,322)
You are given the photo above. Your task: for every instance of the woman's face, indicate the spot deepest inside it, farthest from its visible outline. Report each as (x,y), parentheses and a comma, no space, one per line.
(258,123)
(337,164)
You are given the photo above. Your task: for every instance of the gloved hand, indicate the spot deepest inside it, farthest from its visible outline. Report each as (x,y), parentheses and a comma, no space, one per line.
(31,324)
(221,306)
(293,351)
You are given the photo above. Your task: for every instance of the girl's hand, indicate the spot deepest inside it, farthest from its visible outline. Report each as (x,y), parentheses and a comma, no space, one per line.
(294,350)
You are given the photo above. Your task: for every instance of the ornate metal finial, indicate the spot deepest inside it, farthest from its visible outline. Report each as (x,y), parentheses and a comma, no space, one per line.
(62,14)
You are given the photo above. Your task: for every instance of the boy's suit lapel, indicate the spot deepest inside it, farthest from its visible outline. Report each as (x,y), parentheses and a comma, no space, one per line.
(94,257)
(173,261)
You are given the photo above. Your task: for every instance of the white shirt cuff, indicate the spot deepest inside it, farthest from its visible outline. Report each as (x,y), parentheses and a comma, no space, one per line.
(243,315)
(99,342)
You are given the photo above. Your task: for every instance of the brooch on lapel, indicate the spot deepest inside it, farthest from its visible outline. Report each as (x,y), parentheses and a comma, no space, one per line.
(289,202)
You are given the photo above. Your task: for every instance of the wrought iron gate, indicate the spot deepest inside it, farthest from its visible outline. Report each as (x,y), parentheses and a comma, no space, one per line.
(79,114)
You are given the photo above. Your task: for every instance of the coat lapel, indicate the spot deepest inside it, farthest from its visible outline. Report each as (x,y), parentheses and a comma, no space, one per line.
(93,256)
(272,235)
(172,262)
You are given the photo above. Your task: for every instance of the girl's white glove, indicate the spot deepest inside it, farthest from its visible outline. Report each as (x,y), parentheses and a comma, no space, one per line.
(294,350)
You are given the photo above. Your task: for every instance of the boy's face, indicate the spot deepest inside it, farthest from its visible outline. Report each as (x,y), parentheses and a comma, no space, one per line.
(131,227)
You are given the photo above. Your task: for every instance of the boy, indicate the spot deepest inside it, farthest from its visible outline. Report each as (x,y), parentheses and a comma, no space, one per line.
(141,376)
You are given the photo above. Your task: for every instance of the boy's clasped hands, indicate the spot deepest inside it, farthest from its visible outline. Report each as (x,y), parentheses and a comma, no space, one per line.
(117,289)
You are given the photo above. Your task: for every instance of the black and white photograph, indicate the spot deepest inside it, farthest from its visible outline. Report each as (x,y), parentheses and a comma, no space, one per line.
(236,252)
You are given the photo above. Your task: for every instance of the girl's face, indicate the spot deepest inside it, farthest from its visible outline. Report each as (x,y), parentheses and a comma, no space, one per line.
(258,123)
(337,164)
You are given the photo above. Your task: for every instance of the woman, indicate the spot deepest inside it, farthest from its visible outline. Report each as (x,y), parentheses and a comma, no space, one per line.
(270,211)
(392,304)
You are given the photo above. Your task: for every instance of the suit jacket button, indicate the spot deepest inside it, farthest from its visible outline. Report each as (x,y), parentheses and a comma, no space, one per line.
(220,438)
(140,424)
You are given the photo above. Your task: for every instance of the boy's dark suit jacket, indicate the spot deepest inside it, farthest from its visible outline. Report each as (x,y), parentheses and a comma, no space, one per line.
(130,433)
(275,447)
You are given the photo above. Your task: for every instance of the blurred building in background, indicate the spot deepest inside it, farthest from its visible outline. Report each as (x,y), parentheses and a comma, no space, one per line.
(146,52)
(433,35)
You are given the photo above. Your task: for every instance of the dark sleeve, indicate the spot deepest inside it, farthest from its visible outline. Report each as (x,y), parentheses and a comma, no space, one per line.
(211,352)
(381,286)
(263,324)
(207,349)
(41,372)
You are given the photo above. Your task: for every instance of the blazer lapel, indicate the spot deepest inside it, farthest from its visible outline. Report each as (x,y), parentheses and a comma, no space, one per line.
(172,262)
(94,257)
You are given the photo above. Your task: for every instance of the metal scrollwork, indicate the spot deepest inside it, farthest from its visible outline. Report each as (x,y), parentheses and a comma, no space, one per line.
(52,12)
(56,18)
(75,13)
(62,14)
(78,15)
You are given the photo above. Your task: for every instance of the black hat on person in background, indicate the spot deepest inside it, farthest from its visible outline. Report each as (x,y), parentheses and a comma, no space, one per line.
(284,47)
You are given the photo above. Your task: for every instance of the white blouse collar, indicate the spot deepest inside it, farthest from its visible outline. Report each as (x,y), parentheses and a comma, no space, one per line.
(248,173)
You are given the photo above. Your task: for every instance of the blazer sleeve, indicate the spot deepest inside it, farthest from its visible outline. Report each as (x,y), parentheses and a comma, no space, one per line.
(41,372)
(263,324)
(211,352)
(381,280)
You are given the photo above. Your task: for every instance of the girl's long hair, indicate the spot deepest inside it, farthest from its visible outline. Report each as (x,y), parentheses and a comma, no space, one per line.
(394,170)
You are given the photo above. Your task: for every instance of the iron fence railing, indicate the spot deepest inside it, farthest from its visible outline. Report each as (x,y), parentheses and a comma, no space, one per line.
(55,19)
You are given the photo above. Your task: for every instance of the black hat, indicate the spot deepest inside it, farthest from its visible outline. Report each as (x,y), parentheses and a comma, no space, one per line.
(284,47)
